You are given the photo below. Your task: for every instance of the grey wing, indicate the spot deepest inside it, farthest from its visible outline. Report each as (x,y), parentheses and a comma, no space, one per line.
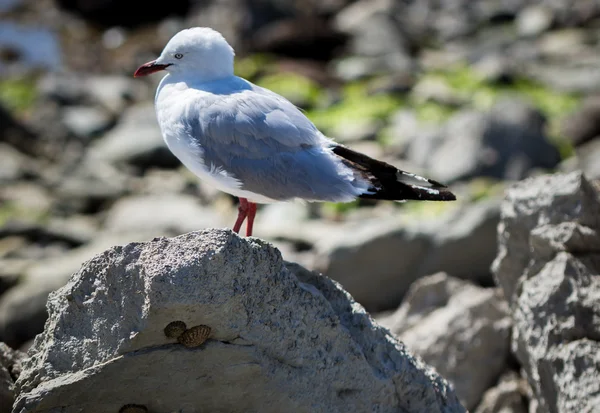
(272,149)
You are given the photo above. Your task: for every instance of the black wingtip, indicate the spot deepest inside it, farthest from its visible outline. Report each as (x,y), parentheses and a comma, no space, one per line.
(401,191)
(436,184)
(390,183)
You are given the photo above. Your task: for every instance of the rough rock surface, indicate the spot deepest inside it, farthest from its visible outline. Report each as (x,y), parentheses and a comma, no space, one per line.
(549,267)
(508,396)
(281,340)
(10,368)
(460,329)
(23,307)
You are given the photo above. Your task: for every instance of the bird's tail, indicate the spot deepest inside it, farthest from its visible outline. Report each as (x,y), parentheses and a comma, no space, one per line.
(389,182)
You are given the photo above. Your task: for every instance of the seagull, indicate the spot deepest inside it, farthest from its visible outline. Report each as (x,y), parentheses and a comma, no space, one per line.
(256,145)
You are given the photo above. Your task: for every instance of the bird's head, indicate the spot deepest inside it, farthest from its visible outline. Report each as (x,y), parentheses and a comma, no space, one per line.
(199,51)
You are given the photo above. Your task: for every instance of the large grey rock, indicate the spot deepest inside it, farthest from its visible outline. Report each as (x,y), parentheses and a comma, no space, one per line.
(23,307)
(281,340)
(549,267)
(90,183)
(86,121)
(7,391)
(535,202)
(534,20)
(12,360)
(14,165)
(460,329)
(381,259)
(508,396)
(375,37)
(574,75)
(587,158)
(505,143)
(583,125)
(10,368)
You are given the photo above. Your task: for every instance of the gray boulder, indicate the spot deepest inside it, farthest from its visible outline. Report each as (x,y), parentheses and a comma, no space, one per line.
(460,329)
(587,158)
(379,262)
(583,125)
(508,396)
(535,202)
(90,183)
(23,307)
(7,390)
(281,339)
(505,143)
(375,37)
(549,267)
(86,121)
(14,165)
(10,368)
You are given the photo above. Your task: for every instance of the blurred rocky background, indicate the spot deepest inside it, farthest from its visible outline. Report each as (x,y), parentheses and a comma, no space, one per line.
(479,95)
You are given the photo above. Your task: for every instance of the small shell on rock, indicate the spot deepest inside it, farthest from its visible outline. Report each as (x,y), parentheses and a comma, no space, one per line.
(174,329)
(133,408)
(195,336)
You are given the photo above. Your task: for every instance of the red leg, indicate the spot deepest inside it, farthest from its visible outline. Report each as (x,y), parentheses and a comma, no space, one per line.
(251,214)
(242,213)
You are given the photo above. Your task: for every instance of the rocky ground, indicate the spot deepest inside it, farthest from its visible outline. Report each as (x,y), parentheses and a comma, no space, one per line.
(476,94)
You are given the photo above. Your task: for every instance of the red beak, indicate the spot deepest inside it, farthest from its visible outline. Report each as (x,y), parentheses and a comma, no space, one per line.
(149,68)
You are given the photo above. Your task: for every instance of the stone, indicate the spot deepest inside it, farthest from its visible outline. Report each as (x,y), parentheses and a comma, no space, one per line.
(115,92)
(583,125)
(291,221)
(437,90)
(12,360)
(587,156)
(563,43)
(136,140)
(91,183)
(23,307)
(573,76)
(12,164)
(465,245)
(495,68)
(7,391)
(29,200)
(167,214)
(85,121)
(508,396)
(462,330)
(377,263)
(505,143)
(10,368)
(544,200)
(282,339)
(375,35)
(549,267)
(16,134)
(384,256)
(534,20)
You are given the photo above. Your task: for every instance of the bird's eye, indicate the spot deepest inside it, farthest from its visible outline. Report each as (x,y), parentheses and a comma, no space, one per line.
(178,55)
